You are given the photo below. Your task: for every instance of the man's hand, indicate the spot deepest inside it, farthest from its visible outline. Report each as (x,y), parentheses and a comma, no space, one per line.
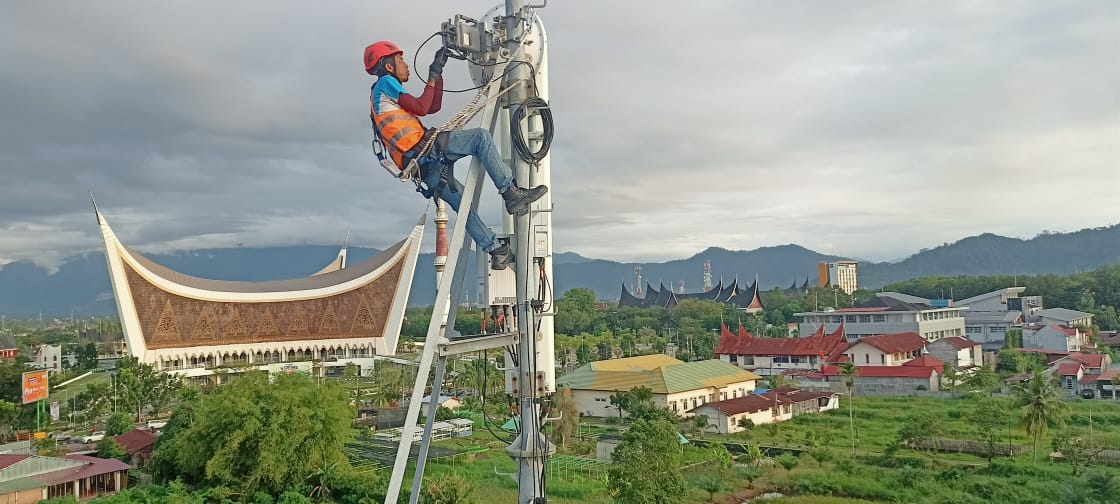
(435,70)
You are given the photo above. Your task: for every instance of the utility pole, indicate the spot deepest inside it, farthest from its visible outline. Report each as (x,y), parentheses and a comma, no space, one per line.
(535,372)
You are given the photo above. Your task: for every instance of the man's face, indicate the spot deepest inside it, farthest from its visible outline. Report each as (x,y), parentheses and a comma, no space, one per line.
(399,68)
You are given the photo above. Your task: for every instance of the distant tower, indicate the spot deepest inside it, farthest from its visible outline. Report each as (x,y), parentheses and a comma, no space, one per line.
(638,290)
(441,240)
(707,275)
(680,287)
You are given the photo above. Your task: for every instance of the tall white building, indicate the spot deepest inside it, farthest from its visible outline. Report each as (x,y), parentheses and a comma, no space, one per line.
(839,274)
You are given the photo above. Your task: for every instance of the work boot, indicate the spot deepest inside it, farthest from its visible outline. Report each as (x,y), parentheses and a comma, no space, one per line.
(518,199)
(501,257)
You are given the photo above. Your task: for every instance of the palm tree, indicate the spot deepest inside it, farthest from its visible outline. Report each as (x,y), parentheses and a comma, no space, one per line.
(850,371)
(1042,406)
(700,423)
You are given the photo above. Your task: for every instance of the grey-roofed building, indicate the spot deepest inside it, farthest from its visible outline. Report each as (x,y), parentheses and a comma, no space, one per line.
(888,313)
(989,328)
(992,301)
(1065,316)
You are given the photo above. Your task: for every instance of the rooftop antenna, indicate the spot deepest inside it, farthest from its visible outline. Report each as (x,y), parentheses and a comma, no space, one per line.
(638,290)
(707,275)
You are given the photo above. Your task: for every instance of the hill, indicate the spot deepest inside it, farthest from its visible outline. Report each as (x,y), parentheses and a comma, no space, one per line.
(81,284)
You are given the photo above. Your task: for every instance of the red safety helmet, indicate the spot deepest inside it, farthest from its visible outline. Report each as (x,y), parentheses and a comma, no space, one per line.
(378,50)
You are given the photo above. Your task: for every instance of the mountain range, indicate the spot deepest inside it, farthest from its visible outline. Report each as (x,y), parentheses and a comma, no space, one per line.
(81,284)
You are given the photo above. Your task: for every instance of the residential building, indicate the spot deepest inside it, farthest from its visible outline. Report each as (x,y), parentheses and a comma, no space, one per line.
(886,349)
(888,313)
(958,352)
(769,407)
(1065,316)
(991,315)
(679,386)
(919,374)
(1054,337)
(1069,376)
(840,274)
(766,356)
(1104,385)
(8,349)
(1094,363)
(31,478)
(50,357)
(138,444)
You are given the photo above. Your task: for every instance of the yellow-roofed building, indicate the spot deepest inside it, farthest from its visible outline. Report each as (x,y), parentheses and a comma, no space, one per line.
(679,386)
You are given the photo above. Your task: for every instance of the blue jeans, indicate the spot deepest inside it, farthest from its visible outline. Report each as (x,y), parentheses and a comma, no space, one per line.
(475,142)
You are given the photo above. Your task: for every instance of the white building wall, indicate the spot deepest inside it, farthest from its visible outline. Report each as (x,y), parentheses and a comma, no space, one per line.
(930,324)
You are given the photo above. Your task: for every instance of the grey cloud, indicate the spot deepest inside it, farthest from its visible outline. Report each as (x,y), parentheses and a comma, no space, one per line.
(864,128)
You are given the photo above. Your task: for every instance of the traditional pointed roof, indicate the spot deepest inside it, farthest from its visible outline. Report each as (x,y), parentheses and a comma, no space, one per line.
(625,299)
(828,346)
(662,296)
(165,314)
(337,264)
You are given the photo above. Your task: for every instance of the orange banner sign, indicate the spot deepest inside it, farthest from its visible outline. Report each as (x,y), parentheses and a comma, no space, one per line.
(34,386)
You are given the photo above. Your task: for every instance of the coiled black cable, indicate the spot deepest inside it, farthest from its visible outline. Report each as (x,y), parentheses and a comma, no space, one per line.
(519,141)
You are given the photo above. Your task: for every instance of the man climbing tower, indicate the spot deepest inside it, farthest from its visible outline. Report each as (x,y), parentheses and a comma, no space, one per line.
(395,121)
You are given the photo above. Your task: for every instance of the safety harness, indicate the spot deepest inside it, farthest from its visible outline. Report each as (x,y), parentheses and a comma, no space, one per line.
(431,148)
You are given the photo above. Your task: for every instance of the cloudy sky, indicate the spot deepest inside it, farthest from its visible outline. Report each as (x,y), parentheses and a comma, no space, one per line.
(861,128)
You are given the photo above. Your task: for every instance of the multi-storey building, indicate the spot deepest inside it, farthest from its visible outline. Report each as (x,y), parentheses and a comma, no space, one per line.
(839,274)
(888,313)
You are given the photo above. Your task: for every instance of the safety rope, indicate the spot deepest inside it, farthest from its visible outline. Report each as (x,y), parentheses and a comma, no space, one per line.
(457,122)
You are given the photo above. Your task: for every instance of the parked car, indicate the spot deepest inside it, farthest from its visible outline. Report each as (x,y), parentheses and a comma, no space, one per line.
(156,424)
(1088,393)
(93,438)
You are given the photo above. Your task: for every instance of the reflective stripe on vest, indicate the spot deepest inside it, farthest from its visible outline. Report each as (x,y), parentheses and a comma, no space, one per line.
(399,130)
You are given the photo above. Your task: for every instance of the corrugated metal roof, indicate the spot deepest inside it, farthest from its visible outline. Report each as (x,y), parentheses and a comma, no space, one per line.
(643,362)
(672,377)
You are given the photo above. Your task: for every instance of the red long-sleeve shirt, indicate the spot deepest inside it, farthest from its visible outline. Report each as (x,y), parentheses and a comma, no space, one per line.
(428,103)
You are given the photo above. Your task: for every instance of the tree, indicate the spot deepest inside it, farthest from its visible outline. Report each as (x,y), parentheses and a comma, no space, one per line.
(821,455)
(749,473)
(746,424)
(87,356)
(621,402)
(447,489)
(568,424)
(9,412)
(252,435)
(140,386)
(987,418)
(787,461)
(583,353)
(776,381)
(118,423)
(984,379)
(921,433)
(711,483)
(646,467)
(700,423)
(1076,449)
(849,371)
(1042,406)
(108,448)
(949,377)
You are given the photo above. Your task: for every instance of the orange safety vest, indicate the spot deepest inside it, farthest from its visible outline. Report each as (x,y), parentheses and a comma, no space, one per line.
(400,131)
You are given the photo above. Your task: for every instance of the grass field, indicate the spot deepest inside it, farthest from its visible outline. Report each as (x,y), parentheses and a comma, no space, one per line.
(869,478)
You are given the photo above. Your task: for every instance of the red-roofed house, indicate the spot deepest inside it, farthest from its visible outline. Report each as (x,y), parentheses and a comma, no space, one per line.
(8,349)
(958,351)
(1102,383)
(767,356)
(918,374)
(31,478)
(138,444)
(1094,363)
(1069,376)
(886,349)
(773,406)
